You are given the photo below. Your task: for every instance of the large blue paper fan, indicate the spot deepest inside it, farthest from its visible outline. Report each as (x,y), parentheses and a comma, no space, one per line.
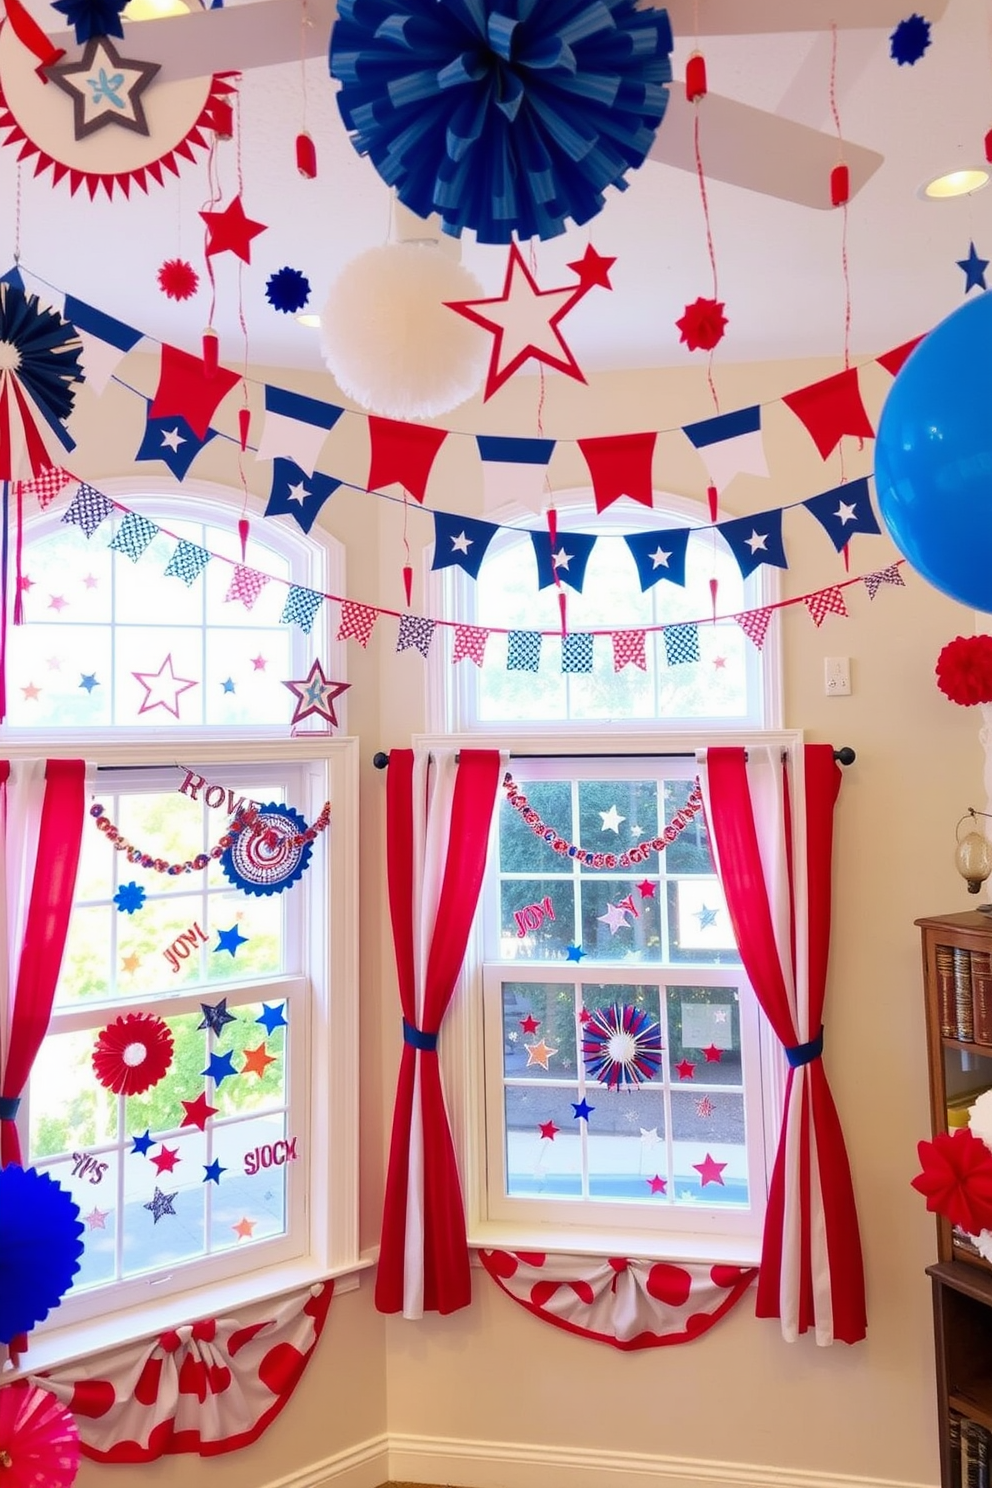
(40,1247)
(505,118)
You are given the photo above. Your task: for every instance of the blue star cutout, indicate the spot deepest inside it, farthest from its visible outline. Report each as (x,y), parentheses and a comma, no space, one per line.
(706,917)
(212,1171)
(161,1204)
(220,1066)
(88,680)
(228,686)
(974,269)
(129,897)
(215,1015)
(272,1017)
(229,940)
(574,953)
(583,1110)
(142,1144)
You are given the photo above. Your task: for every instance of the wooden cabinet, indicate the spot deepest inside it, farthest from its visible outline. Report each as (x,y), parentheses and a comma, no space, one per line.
(957,978)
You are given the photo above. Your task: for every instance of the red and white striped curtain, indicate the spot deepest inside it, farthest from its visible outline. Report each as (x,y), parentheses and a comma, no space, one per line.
(811,1273)
(42,810)
(439,809)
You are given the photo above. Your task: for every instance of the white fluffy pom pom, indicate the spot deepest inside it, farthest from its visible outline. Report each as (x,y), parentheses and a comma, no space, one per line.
(389,339)
(980,1118)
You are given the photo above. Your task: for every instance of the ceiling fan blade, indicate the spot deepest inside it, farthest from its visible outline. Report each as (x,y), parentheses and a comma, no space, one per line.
(758,150)
(227,40)
(737,18)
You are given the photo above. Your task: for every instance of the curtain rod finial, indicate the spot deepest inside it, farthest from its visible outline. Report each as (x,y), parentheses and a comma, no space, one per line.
(380,760)
(845,756)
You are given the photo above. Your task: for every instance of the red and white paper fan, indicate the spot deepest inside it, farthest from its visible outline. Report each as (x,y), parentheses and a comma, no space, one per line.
(39,1442)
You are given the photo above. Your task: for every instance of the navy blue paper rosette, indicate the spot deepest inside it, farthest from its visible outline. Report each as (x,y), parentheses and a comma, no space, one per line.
(504,116)
(40,1247)
(265,858)
(49,354)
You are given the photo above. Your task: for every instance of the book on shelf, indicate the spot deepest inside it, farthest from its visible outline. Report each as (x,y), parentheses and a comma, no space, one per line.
(964,989)
(981,995)
(945,991)
(974,1471)
(964,1011)
(954,1447)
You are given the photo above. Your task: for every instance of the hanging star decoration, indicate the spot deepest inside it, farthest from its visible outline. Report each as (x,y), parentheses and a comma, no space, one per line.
(287,290)
(315,695)
(524,323)
(105,88)
(973,268)
(230,231)
(163,688)
(161,1203)
(909,40)
(178,279)
(702,324)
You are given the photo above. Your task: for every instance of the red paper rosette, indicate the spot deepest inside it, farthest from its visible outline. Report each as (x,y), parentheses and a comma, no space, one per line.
(702,325)
(132,1053)
(964,670)
(957,1179)
(178,279)
(39,1440)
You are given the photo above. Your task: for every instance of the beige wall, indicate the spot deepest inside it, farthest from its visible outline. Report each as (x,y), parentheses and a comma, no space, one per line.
(740,1395)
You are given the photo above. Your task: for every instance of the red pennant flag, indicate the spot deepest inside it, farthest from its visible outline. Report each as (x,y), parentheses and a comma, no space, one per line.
(357,622)
(185,391)
(403,453)
(830,409)
(246,585)
(620,465)
(470,644)
(827,602)
(628,650)
(754,624)
(893,360)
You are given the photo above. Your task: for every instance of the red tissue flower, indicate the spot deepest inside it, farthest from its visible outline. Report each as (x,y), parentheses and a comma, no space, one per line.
(964,670)
(39,1439)
(178,279)
(957,1179)
(132,1053)
(703,324)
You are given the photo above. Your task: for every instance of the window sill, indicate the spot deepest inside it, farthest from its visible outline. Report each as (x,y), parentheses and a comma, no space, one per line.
(725,1250)
(54,1347)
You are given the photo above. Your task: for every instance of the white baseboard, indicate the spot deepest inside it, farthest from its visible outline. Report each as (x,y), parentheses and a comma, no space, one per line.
(480,1464)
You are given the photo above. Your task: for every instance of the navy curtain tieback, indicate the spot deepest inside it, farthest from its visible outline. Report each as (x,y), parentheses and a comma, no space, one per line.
(805,1053)
(8,1107)
(426,1042)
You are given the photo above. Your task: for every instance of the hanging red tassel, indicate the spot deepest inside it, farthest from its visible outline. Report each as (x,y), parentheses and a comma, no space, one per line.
(211,351)
(244,423)
(695,77)
(846,551)
(306,156)
(408,582)
(562,608)
(840,185)
(714,586)
(244,527)
(222,119)
(712,499)
(988,147)
(18,556)
(552,525)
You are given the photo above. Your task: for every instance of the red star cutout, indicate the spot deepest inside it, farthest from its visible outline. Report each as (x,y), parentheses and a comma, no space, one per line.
(527,322)
(231,231)
(713,1054)
(710,1171)
(257,1060)
(166,1159)
(646,889)
(243,1228)
(530,1024)
(686,1069)
(656,1184)
(163,688)
(185,390)
(315,696)
(593,269)
(584,1015)
(719,662)
(548,1130)
(57,603)
(198,1113)
(24,583)
(31,693)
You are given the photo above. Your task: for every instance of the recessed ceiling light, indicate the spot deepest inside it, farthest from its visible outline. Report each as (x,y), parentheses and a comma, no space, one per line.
(154,10)
(309,320)
(955,183)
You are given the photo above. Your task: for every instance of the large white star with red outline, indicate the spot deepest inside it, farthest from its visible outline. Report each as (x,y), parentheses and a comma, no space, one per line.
(163,688)
(523,320)
(315,696)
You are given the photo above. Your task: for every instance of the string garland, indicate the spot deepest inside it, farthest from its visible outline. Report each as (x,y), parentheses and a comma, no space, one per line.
(244,820)
(629,859)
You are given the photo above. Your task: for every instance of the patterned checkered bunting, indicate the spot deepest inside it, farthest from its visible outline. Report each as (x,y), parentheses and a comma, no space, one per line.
(47,485)
(891,575)
(88,508)
(754,624)
(523,651)
(187,562)
(416,633)
(576,653)
(300,608)
(827,602)
(133,536)
(681,644)
(628,650)
(357,622)
(246,585)
(470,644)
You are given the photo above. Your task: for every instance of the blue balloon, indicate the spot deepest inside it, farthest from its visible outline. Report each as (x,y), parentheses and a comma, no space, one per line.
(933,456)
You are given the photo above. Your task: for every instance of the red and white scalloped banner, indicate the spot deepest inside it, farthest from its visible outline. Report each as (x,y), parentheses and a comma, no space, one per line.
(207,1388)
(630,1304)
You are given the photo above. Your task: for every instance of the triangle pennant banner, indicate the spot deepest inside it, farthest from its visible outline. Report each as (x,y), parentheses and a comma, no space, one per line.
(185,388)
(755,623)
(830,409)
(513,470)
(681,644)
(246,584)
(730,444)
(295,427)
(755,540)
(523,651)
(620,465)
(357,622)
(826,602)
(416,633)
(402,453)
(300,608)
(47,485)
(298,495)
(88,508)
(106,341)
(843,511)
(568,559)
(893,360)
(470,644)
(629,650)
(891,575)
(461,541)
(576,653)
(187,562)
(659,555)
(172,441)
(133,536)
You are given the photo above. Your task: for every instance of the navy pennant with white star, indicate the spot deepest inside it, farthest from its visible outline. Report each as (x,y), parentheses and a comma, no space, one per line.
(755,540)
(462,541)
(659,555)
(296,494)
(843,511)
(172,441)
(571,554)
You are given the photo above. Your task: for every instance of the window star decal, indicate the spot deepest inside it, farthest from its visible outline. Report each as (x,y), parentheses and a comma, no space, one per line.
(166,1160)
(530,1024)
(97,1219)
(272,1017)
(612,820)
(657,1185)
(710,1171)
(105,88)
(257,1061)
(583,1110)
(161,1204)
(315,695)
(219,1067)
(705,916)
(198,1113)
(539,1053)
(243,1228)
(574,953)
(212,1171)
(163,688)
(230,231)
(686,1069)
(88,680)
(713,1054)
(615,917)
(215,1014)
(141,1144)
(230,940)
(548,1130)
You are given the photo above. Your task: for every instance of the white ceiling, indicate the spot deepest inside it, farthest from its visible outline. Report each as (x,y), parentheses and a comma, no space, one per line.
(780,272)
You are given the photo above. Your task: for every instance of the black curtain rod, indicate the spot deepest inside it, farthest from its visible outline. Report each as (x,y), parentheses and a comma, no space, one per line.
(844,756)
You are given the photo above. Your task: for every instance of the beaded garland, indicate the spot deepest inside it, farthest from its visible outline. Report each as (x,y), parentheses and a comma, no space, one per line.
(628,859)
(243,820)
